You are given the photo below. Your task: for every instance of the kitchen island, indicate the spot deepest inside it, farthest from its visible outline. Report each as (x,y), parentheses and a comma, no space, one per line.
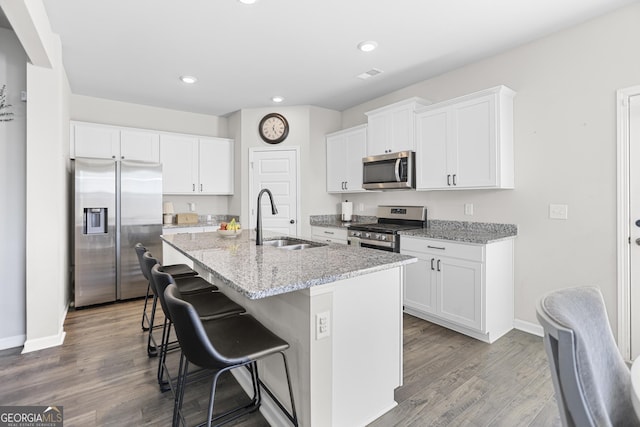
(339,307)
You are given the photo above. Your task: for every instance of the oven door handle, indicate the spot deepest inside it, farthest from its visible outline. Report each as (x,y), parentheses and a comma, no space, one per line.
(397,169)
(376,243)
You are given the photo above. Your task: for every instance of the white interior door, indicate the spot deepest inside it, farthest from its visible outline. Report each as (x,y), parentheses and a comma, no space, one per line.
(634,219)
(277,170)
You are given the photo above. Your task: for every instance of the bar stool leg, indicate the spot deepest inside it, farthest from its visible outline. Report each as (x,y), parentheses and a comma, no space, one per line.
(144,310)
(152,350)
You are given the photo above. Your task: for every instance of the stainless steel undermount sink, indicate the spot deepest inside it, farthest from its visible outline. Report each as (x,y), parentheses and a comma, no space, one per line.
(292,244)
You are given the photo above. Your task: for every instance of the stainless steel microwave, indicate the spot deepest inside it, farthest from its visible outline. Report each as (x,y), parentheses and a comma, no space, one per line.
(390,171)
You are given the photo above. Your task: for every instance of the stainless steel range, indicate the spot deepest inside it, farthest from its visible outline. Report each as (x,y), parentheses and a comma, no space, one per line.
(383,234)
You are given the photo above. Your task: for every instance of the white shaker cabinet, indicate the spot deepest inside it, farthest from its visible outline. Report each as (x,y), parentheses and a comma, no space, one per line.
(464,287)
(195,165)
(466,142)
(91,140)
(345,150)
(179,158)
(215,165)
(391,128)
(140,145)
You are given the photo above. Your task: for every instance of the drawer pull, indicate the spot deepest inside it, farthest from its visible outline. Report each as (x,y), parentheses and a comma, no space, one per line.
(436,247)
(329,232)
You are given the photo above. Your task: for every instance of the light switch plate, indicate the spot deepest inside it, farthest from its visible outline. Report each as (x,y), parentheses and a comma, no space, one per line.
(558,211)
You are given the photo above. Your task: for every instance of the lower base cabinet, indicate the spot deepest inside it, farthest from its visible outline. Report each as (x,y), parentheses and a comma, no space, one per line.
(464,287)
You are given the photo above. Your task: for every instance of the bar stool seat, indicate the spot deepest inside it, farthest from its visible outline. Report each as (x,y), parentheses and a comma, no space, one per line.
(192,284)
(222,345)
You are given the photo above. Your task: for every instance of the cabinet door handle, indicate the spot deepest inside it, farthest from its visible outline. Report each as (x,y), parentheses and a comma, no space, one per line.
(438,265)
(201,188)
(436,247)
(454,179)
(432,259)
(194,187)
(448,179)
(346,185)
(328,232)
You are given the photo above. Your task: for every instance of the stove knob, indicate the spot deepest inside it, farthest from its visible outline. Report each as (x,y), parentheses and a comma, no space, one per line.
(383,237)
(367,235)
(357,233)
(378,237)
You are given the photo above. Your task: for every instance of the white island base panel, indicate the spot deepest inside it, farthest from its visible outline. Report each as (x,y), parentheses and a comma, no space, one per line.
(345,376)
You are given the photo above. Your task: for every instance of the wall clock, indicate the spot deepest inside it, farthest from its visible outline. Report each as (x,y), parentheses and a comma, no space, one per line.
(273,128)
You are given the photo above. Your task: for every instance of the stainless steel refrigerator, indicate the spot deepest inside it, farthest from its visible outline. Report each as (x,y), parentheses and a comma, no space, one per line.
(117,204)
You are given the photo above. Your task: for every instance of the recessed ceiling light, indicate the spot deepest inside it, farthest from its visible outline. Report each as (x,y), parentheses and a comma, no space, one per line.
(367,46)
(247,1)
(277,99)
(188,79)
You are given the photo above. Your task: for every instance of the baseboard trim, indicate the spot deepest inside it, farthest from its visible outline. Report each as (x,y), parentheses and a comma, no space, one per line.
(529,327)
(11,342)
(49,341)
(44,342)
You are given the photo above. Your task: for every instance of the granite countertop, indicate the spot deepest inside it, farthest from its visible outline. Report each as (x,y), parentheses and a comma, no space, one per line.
(335,221)
(197,224)
(263,271)
(463,231)
(215,221)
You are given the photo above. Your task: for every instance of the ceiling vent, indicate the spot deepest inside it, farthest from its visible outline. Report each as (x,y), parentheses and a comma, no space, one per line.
(371,73)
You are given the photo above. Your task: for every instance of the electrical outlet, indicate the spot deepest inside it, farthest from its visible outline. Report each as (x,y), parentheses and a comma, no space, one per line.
(468,208)
(323,325)
(559,211)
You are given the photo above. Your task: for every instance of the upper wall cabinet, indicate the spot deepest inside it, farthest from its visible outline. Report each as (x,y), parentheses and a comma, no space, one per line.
(391,128)
(194,165)
(111,142)
(466,142)
(345,150)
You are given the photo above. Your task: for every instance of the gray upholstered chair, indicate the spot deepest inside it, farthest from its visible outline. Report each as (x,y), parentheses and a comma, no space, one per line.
(590,377)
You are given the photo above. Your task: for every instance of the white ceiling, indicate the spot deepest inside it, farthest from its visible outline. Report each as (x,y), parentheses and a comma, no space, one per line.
(304,50)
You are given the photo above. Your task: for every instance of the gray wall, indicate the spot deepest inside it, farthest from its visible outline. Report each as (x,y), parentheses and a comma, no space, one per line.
(13,141)
(565,153)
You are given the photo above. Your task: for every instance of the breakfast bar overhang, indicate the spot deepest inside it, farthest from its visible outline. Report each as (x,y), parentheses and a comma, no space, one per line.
(339,307)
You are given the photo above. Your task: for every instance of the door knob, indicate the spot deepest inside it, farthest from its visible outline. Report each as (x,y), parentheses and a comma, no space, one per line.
(293,221)
(638,241)
(637,222)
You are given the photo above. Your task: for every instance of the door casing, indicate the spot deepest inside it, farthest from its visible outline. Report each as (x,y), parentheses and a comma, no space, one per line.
(623,219)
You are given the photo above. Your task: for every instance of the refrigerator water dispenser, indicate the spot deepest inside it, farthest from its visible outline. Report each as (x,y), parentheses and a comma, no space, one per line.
(95,220)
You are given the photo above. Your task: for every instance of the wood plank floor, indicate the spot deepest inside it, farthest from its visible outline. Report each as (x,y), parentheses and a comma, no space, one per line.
(103,377)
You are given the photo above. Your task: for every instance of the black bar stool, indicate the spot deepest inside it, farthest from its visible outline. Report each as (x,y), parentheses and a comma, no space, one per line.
(209,305)
(221,345)
(187,284)
(176,270)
